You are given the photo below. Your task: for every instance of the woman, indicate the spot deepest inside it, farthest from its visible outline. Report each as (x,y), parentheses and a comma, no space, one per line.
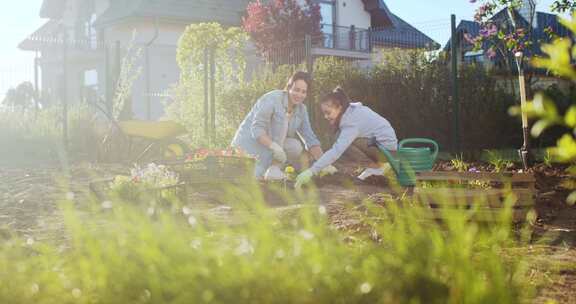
(272,130)
(362,132)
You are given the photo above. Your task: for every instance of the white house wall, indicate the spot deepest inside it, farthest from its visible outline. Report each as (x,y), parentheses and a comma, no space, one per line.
(352,12)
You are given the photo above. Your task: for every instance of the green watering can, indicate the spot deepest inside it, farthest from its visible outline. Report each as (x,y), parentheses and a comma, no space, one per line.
(411,160)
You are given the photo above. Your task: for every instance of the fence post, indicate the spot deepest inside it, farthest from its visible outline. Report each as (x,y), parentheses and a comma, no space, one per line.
(36,87)
(454,76)
(116,79)
(352,35)
(107,79)
(206,105)
(310,70)
(65,92)
(213,93)
(147,79)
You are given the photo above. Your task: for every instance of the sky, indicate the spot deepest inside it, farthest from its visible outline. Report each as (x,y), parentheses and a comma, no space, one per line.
(22,18)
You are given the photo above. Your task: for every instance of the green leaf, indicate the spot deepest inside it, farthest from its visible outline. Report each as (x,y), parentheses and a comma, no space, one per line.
(570,117)
(539,127)
(545,108)
(559,59)
(571,170)
(569,23)
(571,199)
(565,149)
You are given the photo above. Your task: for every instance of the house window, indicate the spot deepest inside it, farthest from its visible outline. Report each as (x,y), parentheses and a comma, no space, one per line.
(328,23)
(90,86)
(85,31)
(90,31)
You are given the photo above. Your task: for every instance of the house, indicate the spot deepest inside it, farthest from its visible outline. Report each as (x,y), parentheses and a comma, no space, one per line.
(540,23)
(91,36)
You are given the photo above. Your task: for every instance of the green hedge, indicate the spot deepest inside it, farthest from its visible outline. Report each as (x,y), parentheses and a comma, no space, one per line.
(409,88)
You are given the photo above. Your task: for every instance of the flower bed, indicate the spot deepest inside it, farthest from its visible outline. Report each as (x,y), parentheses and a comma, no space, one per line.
(151,184)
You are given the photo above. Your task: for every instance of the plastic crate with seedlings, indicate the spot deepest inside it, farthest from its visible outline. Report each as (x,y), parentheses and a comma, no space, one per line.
(213,168)
(150,184)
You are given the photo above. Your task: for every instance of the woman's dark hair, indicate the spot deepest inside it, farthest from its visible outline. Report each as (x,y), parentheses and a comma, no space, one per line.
(299,75)
(337,97)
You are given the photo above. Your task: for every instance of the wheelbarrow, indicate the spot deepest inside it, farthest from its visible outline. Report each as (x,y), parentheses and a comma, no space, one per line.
(159,140)
(161,136)
(411,160)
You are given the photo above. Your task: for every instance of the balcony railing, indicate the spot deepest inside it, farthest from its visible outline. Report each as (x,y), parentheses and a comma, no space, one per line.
(344,38)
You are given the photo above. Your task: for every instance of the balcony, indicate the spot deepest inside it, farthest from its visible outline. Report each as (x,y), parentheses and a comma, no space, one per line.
(341,41)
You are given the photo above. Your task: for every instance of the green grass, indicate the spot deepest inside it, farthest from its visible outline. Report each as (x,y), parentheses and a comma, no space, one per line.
(178,256)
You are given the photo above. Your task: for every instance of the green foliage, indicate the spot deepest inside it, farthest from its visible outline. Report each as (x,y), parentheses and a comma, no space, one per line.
(460,164)
(129,72)
(122,254)
(412,90)
(559,61)
(497,161)
(188,106)
(228,47)
(562,6)
(21,98)
(409,88)
(142,182)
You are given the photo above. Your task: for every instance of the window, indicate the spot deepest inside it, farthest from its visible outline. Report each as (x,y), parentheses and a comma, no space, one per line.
(90,31)
(90,86)
(328,13)
(85,31)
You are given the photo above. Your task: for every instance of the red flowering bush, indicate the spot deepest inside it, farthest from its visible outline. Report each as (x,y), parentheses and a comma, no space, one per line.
(281,22)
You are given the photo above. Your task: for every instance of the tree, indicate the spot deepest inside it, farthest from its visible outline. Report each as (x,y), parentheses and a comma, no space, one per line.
(562,6)
(508,34)
(22,97)
(503,31)
(282,24)
(210,56)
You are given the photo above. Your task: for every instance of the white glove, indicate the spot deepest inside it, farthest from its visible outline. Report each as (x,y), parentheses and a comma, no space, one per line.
(278,152)
(274,173)
(328,170)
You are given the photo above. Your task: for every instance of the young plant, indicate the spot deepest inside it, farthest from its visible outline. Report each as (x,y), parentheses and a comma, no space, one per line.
(459,164)
(498,162)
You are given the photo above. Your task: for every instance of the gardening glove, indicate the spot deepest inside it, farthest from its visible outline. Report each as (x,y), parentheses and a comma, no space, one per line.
(370,172)
(303,178)
(382,171)
(274,173)
(328,170)
(278,152)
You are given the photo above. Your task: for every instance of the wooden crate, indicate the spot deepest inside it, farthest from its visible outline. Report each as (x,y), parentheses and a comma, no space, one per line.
(480,195)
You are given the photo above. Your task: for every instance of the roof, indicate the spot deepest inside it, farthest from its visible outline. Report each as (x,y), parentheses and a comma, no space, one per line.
(187,11)
(471,28)
(46,33)
(402,35)
(379,13)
